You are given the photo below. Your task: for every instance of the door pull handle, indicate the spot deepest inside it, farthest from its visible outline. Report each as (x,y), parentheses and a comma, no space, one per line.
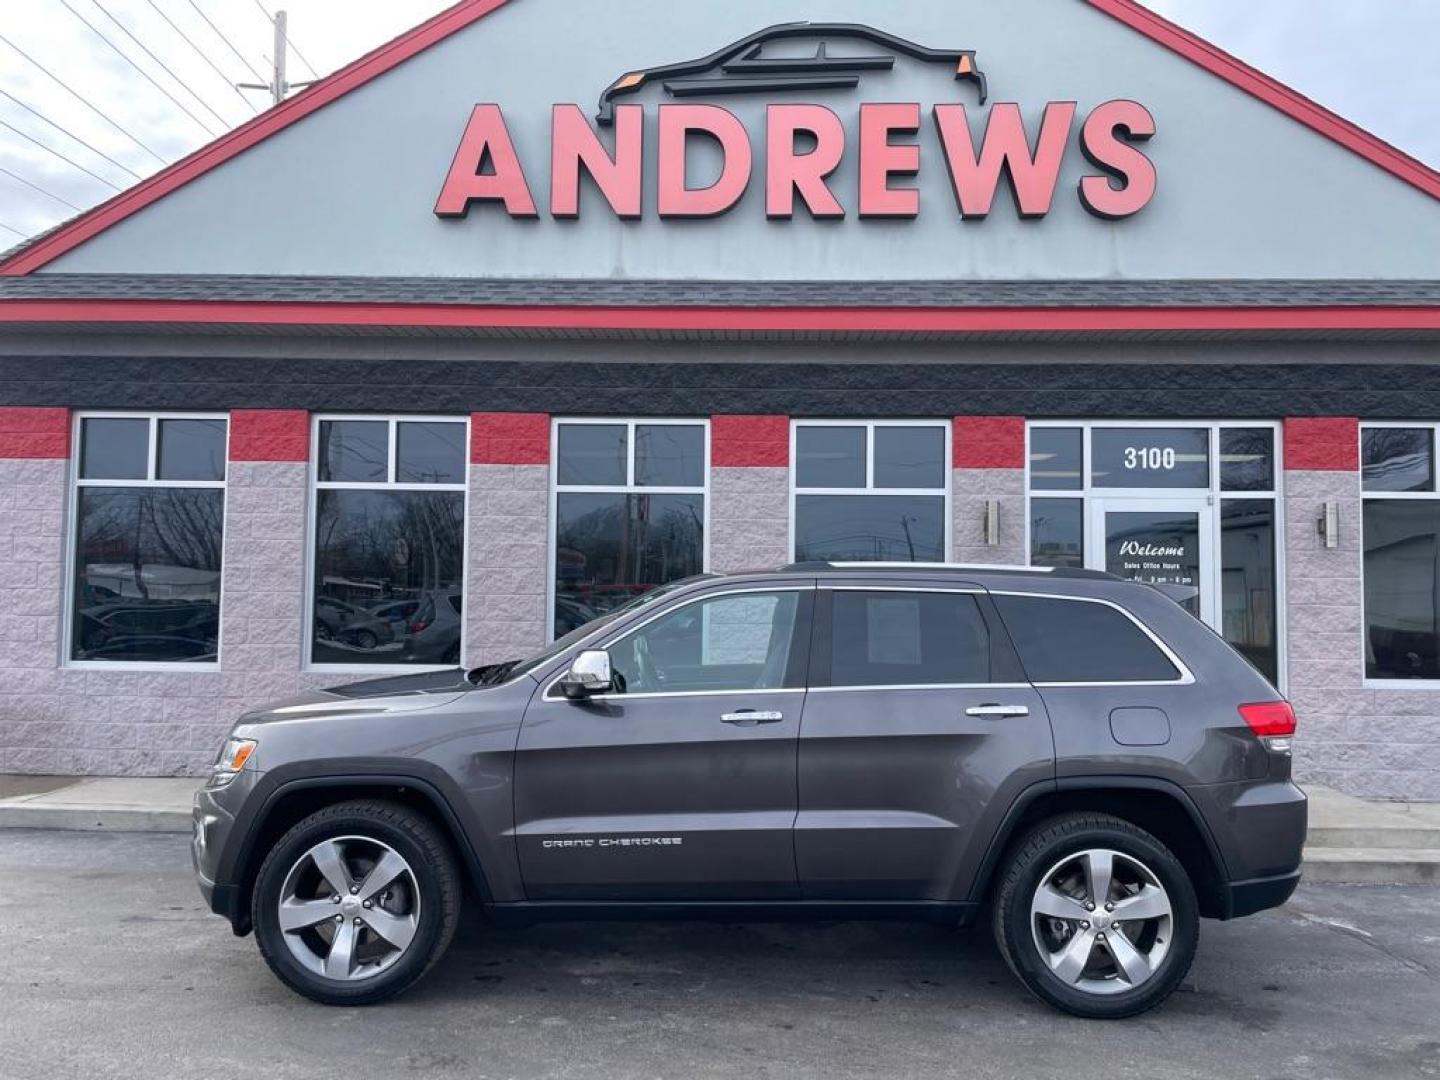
(997,712)
(749,717)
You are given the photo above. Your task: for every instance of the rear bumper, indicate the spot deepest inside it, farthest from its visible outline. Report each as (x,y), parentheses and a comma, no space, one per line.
(1259,894)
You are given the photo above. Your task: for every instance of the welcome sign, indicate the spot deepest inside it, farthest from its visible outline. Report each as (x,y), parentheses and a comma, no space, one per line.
(805,144)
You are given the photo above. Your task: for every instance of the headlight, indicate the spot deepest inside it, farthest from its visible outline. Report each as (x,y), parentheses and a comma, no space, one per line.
(232,759)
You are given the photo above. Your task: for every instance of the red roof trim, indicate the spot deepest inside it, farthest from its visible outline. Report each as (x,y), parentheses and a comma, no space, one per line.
(781,319)
(370,66)
(376,63)
(1273,92)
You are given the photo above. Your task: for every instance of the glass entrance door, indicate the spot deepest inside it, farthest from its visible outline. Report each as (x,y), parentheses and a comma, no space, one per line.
(1159,541)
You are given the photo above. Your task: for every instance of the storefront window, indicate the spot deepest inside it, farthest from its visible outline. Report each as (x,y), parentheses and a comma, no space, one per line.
(1402,553)
(149,512)
(871,491)
(389,541)
(1149,457)
(1247,581)
(1057,532)
(1055,459)
(629,512)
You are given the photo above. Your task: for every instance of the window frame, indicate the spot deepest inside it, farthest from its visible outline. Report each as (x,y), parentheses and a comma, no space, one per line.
(1366,681)
(556,489)
(946,491)
(314,485)
(72,525)
(1087,493)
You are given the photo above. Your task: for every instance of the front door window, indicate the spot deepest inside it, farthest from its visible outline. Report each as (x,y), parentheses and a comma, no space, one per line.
(1159,546)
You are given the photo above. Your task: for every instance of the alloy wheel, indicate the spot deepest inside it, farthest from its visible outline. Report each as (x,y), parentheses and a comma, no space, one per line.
(1102,921)
(349,908)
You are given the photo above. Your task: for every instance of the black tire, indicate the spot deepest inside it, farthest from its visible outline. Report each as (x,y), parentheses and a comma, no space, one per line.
(1047,845)
(416,839)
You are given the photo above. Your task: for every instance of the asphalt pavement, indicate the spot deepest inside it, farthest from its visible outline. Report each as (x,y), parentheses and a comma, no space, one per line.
(110,966)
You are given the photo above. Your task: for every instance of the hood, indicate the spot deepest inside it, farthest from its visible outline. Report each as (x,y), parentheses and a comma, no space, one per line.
(385,696)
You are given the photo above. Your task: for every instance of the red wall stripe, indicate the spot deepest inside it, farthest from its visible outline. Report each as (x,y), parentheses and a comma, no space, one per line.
(1330,443)
(988,442)
(778,319)
(269,435)
(34,433)
(510,438)
(749,441)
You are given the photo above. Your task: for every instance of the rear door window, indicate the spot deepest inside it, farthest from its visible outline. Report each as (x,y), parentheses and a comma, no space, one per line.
(1081,641)
(907,639)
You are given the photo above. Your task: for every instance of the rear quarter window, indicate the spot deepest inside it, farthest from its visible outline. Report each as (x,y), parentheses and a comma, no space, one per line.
(1079,641)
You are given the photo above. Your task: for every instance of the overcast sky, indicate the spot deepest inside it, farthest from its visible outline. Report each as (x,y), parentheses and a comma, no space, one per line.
(1373,61)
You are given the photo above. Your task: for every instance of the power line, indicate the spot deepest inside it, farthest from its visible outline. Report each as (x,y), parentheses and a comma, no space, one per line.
(203,56)
(20,179)
(83,100)
(69,133)
(224,124)
(228,44)
(127,58)
(11,228)
(62,157)
(293,49)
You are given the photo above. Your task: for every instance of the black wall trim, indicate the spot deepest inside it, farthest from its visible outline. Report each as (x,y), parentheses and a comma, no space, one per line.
(1160,390)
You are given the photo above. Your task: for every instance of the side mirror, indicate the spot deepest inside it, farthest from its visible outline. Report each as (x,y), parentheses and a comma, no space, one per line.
(589,674)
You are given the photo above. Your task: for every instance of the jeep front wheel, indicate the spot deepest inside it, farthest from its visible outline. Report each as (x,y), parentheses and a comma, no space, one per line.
(356,902)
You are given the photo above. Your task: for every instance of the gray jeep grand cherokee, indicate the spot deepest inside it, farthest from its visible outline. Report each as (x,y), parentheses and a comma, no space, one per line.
(1071,754)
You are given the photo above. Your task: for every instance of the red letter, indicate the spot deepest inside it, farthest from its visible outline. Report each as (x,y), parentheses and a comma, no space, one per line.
(786,171)
(1006,149)
(676,123)
(1105,140)
(880,160)
(573,143)
(486,141)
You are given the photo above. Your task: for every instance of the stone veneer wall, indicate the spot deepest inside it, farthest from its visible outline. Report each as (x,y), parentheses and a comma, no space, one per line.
(56,719)
(749,492)
(1380,743)
(988,455)
(508,542)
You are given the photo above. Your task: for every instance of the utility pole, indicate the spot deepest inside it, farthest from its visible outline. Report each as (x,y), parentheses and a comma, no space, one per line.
(279,88)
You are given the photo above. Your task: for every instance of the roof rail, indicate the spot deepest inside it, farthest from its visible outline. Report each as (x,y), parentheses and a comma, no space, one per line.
(836,565)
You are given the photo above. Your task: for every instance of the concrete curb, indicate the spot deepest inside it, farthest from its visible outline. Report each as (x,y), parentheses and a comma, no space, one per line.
(87,818)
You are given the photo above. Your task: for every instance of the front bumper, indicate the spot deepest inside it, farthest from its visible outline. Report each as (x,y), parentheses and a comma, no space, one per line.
(213,814)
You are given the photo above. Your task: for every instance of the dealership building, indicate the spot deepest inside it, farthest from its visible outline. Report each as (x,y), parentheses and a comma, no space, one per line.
(540,306)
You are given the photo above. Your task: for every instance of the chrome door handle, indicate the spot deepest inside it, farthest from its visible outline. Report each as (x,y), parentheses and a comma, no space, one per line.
(996,712)
(749,717)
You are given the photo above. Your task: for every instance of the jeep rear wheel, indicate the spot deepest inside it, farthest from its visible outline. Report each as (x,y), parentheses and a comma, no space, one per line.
(1096,916)
(356,902)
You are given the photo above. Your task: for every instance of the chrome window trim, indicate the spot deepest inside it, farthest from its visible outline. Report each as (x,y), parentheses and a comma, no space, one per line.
(713,595)
(1187,677)
(922,686)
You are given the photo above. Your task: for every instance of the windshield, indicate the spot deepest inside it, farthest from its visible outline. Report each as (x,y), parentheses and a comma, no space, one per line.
(560,644)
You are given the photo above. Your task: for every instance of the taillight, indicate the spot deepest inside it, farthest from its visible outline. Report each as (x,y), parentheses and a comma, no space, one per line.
(1272,721)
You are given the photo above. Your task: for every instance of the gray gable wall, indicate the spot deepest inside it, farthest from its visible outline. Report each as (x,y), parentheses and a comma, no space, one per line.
(1244,191)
